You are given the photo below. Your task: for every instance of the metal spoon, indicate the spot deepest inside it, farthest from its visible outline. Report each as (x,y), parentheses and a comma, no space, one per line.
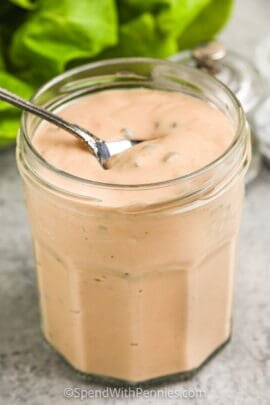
(100,149)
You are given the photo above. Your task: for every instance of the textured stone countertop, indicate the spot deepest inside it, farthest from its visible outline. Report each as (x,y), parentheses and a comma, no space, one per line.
(240,374)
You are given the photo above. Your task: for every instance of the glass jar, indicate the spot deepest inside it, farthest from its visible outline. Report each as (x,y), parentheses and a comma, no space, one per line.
(133,287)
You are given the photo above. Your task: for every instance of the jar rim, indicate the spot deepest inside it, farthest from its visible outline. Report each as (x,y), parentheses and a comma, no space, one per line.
(189,176)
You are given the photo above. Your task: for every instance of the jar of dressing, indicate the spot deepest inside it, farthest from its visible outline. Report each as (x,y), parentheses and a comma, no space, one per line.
(135,265)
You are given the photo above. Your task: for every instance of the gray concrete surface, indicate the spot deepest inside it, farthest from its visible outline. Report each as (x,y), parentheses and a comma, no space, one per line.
(240,374)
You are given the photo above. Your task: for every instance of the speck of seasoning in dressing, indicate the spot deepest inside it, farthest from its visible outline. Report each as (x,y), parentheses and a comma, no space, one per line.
(171,156)
(75,311)
(58,259)
(149,146)
(174,124)
(103,228)
(156,124)
(136,163)
(127,133)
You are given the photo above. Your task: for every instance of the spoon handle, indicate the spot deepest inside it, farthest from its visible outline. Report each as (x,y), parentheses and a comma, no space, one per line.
(89,139)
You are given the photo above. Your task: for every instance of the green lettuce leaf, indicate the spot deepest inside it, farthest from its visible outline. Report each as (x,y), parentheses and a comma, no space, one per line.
(156,28)
(9,115)
(27,4)
(173,20)
(145,37)
(131,9)
(207,24)
(59,32)
(143,5)
(2,61)
(11,83)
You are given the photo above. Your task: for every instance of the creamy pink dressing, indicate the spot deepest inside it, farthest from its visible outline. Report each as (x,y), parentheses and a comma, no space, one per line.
(135,294)
(180,134)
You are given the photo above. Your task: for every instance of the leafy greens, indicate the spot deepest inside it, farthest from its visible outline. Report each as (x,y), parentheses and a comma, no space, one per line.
(41,38)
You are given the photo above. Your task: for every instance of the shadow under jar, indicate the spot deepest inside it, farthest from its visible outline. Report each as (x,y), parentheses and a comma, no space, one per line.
(163,306)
